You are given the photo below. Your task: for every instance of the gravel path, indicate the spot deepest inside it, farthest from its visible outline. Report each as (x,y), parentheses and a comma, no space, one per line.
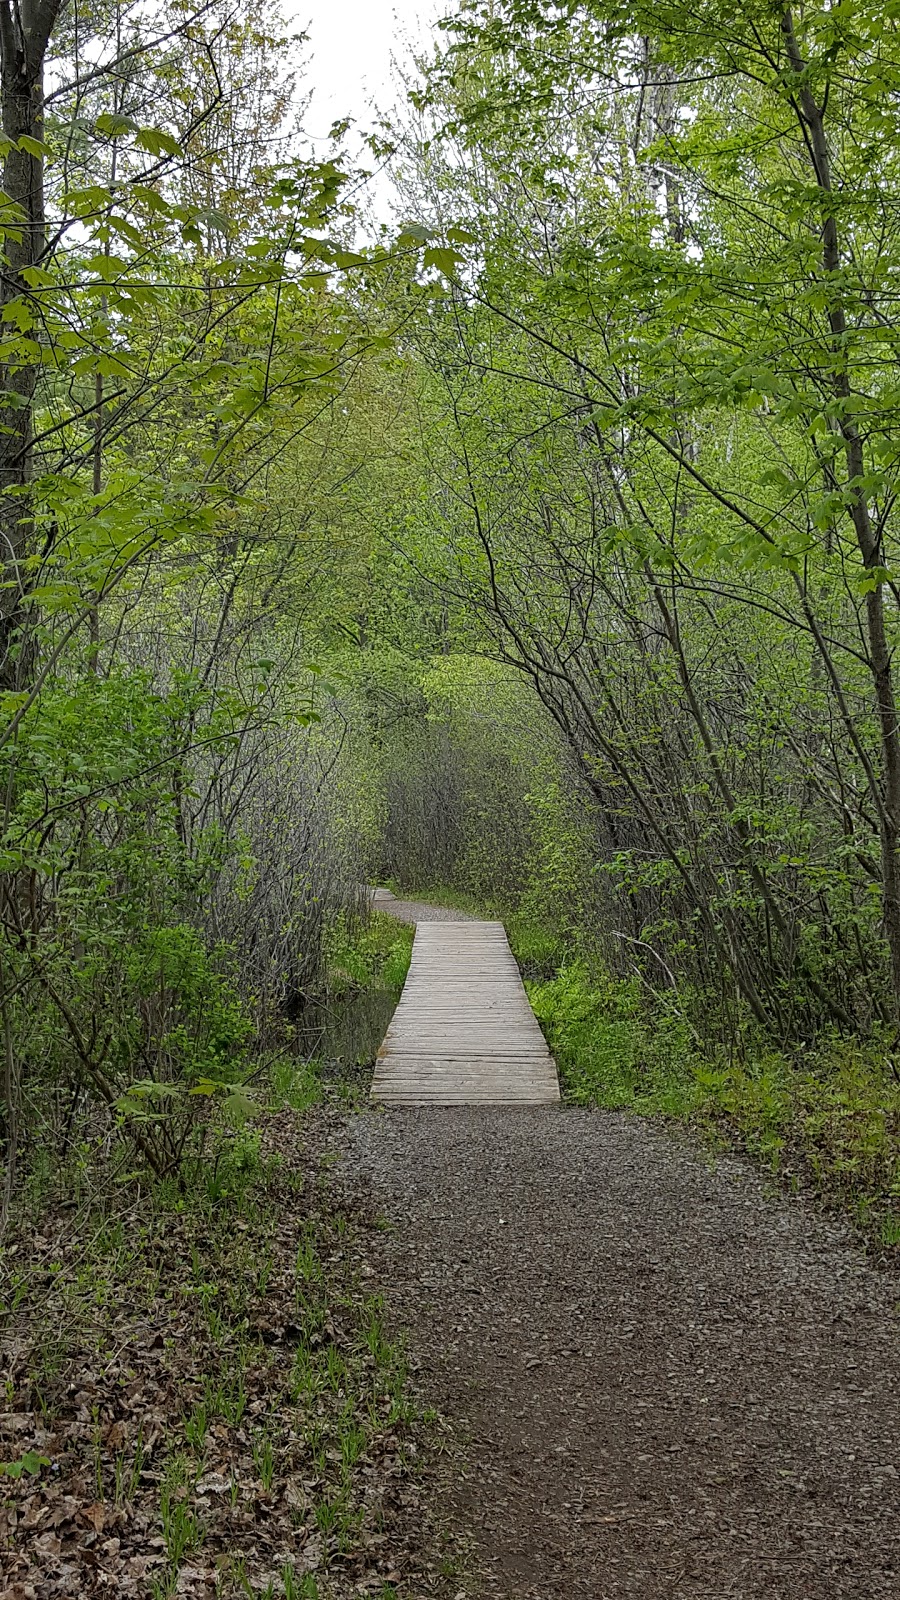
(665,1381)
(416,910)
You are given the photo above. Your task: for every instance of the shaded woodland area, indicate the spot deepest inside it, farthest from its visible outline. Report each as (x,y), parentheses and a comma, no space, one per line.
(536,552)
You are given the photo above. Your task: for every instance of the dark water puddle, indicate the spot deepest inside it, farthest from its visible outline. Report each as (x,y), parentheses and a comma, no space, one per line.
(345,1032)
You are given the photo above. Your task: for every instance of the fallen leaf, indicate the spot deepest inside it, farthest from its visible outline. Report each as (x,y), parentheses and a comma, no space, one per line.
(95,1515)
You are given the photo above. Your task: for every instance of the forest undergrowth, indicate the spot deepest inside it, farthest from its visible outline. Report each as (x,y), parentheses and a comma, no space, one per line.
(825,1119)
(202,1397)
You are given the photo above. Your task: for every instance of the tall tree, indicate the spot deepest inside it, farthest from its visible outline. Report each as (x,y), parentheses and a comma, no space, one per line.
(25,30)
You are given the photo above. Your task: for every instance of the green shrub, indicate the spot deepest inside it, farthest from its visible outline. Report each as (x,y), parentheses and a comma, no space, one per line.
(610,1051)
(539,948)
(374,955)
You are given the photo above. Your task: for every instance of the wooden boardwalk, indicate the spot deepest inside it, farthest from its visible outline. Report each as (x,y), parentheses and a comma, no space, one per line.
(464,1032)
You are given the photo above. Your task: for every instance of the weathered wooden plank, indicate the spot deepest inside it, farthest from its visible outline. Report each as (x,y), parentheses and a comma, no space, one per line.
(464,1032)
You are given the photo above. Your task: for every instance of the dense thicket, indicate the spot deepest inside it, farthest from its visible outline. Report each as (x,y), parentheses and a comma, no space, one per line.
(182,819)
(660,412)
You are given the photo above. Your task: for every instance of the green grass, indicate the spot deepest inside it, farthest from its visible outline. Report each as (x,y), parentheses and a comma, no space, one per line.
(375,955)
(609,1052)
(295,1082)
(829,1118)
(244,1313)
(540,949)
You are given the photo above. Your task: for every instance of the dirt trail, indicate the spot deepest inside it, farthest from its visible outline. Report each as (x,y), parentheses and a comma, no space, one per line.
(665,1382)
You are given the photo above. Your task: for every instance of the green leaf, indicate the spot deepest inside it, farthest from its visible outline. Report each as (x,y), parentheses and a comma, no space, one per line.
(442,257)
(37,278)
(872,579)
(413,233)
(345,258)
(158,143)
(106,264)
(19,312)
(155,202)
(126,229)
(240,1106)
(88,201)
(216,219)
(34,147)
(113,124)
(148,1089)
(30,1462)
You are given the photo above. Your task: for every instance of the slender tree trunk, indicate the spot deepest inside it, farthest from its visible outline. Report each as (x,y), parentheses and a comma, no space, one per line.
(94,617)
(11,1097)
(812,116)
(25,27)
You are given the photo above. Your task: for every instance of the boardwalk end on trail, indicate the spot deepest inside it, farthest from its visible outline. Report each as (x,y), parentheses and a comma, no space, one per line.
(464,1032)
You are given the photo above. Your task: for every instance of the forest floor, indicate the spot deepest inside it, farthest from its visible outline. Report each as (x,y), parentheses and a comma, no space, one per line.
(201,1399)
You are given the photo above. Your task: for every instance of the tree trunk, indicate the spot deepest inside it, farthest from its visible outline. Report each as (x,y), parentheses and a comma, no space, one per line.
(25,29)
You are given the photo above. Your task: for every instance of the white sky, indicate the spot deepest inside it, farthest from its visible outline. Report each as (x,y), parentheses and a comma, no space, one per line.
(351,43)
